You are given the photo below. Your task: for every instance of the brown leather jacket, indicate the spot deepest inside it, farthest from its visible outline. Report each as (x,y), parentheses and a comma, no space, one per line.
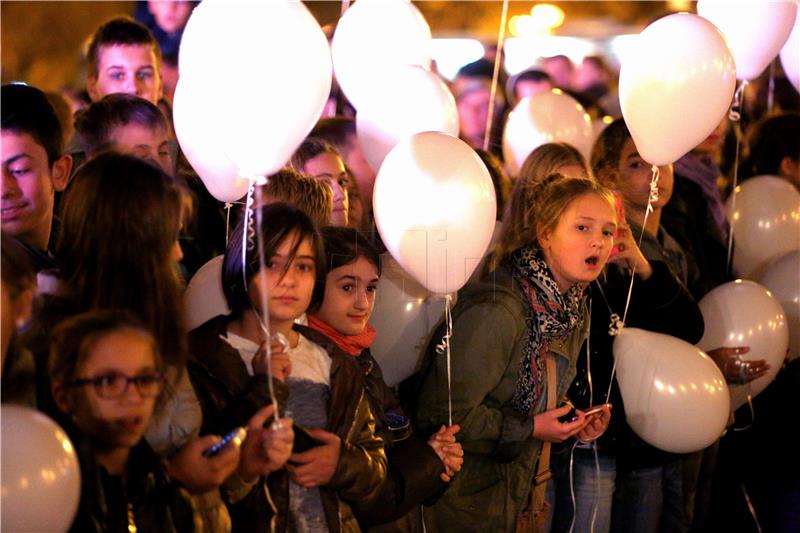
(362,461)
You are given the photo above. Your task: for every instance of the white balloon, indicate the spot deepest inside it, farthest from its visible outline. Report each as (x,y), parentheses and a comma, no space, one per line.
(197,128)
(373,35)
(743,313)
(435,209)
(675,86)
(550,116)
(204,298)
(406,100)
(782,278)
(405,314)
(790,55)
(754,29)
(675,397)
(41,481)
(268,79)
(765,221)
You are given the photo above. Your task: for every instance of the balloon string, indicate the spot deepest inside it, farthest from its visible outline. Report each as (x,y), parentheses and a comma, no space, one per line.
(616,324)
(228,207)
(751,508)
(253,237)
(737,131)
(735,114)
(501,37)
(444,348)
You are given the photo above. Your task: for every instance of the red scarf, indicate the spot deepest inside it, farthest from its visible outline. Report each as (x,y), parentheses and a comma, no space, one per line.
(352,344)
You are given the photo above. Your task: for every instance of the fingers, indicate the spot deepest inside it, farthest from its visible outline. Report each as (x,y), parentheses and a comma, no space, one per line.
(324,436)
(257,421)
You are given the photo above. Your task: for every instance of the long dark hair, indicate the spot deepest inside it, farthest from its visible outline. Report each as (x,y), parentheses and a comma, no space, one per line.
(275,223)
(120,222)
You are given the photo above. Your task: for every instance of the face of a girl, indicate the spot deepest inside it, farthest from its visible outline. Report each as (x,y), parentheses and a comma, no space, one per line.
(289,282)
(350,296)
(115,422)
(634,179)
(330,168)
(579,246)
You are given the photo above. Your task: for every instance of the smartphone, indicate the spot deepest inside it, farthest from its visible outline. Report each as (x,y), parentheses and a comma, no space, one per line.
(594,409)
(237,434)
(571,416)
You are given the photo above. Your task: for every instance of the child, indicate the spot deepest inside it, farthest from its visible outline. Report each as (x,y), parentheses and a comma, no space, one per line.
(515,341)
(107,374)
(416,471)
(124,57)
(324,386)
(317,159)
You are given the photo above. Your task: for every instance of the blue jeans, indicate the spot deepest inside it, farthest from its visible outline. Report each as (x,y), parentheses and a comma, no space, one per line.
(649,500)
(591,489)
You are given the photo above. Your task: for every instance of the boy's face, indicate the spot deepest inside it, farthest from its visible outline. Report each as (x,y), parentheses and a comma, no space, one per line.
(28,186)
(126,68)
(634,179)
(145,143)
(113,423)
(170,15)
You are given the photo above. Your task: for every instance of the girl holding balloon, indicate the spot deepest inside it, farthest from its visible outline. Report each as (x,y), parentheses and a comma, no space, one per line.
(418,470)
(515,340)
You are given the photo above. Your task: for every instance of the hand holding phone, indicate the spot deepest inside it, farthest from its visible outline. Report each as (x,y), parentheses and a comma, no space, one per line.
(237,436)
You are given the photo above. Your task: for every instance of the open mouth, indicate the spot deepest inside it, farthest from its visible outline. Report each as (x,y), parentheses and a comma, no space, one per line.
(593,260)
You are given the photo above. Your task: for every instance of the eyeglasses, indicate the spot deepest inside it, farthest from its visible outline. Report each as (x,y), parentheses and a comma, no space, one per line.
(114,384)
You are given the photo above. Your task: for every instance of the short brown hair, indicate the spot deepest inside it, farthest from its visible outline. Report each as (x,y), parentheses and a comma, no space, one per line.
(119,31)
(313,197)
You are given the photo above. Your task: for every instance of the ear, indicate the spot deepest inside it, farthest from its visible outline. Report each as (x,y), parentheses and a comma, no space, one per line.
(91,88)
(61,396)
(789,167)
(61,171)
(543,237)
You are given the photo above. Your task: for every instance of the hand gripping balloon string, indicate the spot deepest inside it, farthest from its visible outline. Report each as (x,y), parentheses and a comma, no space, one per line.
(444,348)
(735,112)
(501,36)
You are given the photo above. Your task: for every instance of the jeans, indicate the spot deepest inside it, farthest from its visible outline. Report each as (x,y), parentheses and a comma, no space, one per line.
(591,488)
(649,500)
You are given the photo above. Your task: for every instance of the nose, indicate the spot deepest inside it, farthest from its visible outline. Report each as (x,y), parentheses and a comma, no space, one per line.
(132,394)
(8,185)
(362,301)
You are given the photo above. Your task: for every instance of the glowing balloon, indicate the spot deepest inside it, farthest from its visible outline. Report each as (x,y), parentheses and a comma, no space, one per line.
(675,396)
(406,100)
(743,313)
(782,278)
(435,209)
(405,314)
(268,78)
(201,146)
(41,476)
(550,116)
(790,55)
(675,86)
(754,29)
(765,222)
(204,298)
(373,35)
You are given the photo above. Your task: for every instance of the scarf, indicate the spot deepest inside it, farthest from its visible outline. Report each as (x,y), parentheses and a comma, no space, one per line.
(704,172)
(551,315)
(352,344)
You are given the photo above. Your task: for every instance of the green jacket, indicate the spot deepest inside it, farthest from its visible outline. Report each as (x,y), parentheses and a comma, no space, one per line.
(489,334)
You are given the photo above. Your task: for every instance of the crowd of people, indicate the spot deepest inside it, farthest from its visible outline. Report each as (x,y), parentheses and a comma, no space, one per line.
(274,415)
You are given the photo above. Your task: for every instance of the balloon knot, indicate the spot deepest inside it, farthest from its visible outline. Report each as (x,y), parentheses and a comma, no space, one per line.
(615,328)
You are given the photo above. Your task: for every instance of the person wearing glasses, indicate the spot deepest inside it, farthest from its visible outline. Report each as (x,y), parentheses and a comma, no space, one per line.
(107,375)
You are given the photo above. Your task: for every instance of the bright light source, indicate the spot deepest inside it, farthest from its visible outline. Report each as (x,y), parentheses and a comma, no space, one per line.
(452,54)
(547,16)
